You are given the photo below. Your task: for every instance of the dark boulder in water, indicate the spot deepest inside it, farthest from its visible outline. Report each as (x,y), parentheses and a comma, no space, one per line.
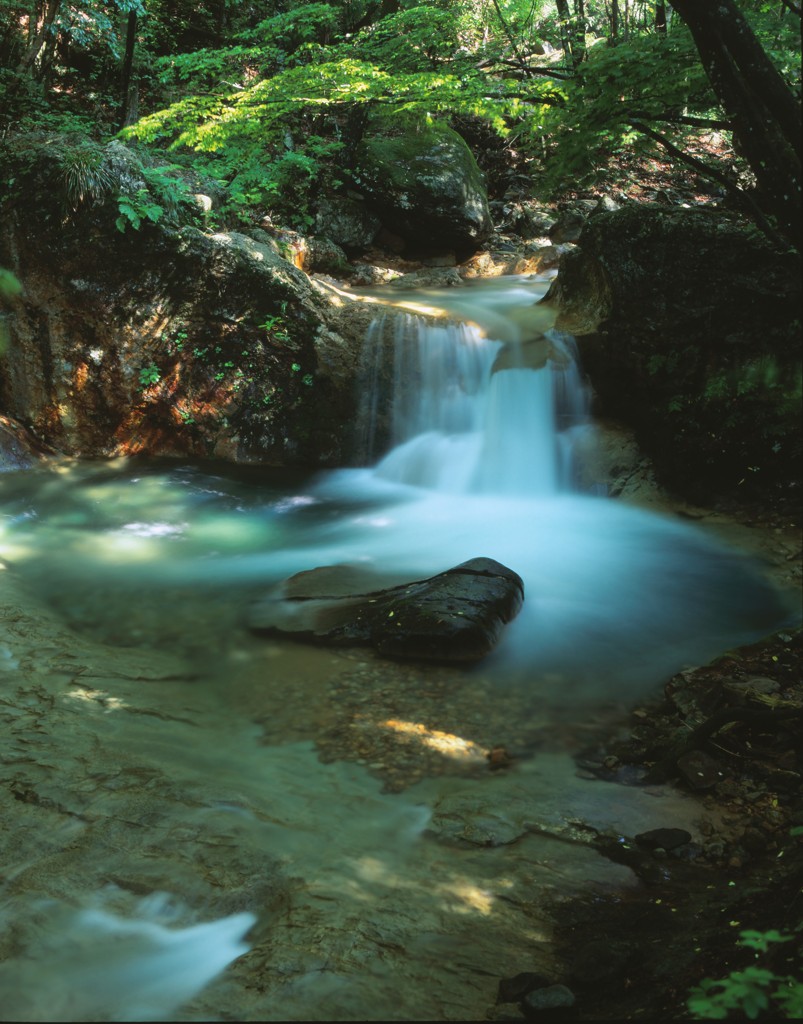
(456,616)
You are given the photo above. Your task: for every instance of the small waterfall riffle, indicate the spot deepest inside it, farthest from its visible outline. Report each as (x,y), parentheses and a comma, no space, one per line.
(479,439)
(467,414)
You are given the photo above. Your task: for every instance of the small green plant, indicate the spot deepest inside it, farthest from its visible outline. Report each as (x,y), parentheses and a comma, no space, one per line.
(186,417)
(177,341)
(276,327)
(134,209)
(9,289)
(149,375)
(86,173)
(9,285)
(750,991)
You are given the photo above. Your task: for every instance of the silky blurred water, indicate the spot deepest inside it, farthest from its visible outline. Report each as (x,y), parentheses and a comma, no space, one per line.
(162,560)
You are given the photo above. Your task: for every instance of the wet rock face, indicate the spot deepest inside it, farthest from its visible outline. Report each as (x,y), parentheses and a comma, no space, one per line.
(423,183)
(347,223)
(690,333)
(168,339)
(18,449)
(456,616)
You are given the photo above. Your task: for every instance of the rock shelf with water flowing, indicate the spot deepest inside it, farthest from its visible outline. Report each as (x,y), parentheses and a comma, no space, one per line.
(174,789)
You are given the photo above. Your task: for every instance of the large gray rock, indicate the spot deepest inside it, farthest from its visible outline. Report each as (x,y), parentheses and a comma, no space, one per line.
(423,182)
(690,334)
(456,616)
(346,222)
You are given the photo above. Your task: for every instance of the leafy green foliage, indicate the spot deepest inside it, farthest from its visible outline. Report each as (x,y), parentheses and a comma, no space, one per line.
(289,30)
(86,173)
(268,108)
(417,39)
(653,79)
(136,208)
(164,195)
(751,991)
(249,136)
(149,375)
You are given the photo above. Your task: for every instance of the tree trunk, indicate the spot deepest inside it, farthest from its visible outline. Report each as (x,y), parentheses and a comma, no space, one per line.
(564,21)
(40,25)
(766,115)
(572,30)
(127,94)
(579,32)
(660,17)
(614,19)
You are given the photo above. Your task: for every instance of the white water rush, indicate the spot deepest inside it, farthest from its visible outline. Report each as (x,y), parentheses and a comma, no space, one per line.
(485,425)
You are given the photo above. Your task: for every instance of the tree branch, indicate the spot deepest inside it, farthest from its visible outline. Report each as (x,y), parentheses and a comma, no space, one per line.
(565,76)
(695,122)
(507,30)
(711,172)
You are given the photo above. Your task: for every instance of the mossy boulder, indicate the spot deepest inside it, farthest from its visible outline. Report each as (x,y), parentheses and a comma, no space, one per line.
(690,328)
(162,338)
(423,182)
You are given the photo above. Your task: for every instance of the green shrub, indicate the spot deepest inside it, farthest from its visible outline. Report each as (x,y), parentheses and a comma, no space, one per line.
(751,991)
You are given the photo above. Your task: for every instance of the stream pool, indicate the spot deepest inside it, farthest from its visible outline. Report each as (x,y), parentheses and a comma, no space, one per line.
(203,824)
(180,795)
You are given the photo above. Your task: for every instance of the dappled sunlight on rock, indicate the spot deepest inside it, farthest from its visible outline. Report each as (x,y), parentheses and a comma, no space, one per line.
(103,700)
(445,743)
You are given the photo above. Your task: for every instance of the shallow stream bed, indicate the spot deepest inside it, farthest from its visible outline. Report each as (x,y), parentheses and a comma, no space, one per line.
(203,824)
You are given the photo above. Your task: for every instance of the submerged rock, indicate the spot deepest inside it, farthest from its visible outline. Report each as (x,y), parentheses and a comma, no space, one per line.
(550,1003)
(663,838)
(456,616)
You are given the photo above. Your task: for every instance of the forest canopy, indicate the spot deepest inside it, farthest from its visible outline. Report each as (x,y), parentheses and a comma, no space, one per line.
(264,99)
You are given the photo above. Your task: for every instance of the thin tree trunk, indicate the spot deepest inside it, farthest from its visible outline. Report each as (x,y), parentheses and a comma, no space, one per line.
(660,17)
(127,94)
(564,22)
(579,32)
(40,25)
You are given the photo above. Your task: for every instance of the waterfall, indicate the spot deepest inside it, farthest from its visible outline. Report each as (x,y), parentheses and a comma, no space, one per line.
(468,414)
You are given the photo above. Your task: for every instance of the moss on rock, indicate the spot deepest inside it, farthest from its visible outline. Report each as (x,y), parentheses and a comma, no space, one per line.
(423,182)
(691,329)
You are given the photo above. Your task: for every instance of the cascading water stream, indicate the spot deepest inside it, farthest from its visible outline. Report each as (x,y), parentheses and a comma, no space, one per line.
(469,416)
(484,424)
(155,746)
